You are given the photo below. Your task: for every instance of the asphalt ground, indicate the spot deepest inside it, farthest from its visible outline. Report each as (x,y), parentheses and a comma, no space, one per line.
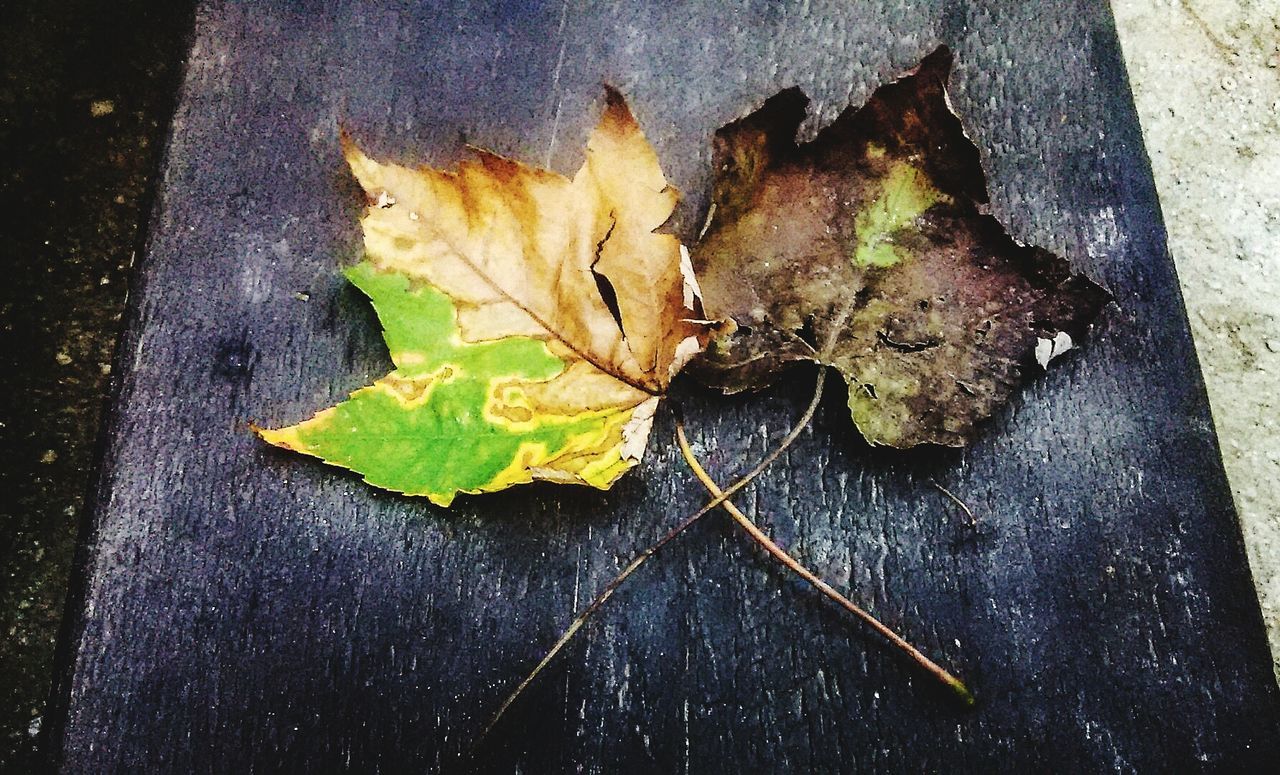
(86,93)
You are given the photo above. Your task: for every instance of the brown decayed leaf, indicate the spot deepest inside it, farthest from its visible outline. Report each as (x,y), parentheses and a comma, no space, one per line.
(869,249)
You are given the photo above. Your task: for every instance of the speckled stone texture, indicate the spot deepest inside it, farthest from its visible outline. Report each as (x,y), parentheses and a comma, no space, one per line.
(86,92)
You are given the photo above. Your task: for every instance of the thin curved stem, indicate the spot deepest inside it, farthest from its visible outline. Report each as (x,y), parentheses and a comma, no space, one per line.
(955,684)
(586,614)
(606,593)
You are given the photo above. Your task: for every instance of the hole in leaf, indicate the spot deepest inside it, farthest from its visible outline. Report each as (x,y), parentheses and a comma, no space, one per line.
(608,294)
(610,297)
(807,332)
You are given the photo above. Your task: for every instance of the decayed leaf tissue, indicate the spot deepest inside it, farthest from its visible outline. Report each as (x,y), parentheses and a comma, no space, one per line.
(868,249)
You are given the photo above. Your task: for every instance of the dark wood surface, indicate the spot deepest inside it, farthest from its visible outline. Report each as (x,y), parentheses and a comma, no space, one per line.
(249,610)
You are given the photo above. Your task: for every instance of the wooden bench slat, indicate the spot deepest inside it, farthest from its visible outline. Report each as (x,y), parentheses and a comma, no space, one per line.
(247,609)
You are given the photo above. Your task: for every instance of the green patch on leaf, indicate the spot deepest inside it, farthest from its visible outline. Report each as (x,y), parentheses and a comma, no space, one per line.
(454,416)
(905,194)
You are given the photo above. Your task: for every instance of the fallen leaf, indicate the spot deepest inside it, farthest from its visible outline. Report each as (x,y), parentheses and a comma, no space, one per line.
(534,320)
(869,249)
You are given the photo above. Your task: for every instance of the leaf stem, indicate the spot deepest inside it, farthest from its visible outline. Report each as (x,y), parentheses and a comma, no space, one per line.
(955,684)
(720,499)
(971,521)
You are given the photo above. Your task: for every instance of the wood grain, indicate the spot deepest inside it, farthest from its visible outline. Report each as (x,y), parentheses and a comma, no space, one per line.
(250,610)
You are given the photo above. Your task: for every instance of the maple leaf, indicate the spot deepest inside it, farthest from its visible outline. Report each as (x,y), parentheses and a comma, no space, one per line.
(533,320)
(868,249)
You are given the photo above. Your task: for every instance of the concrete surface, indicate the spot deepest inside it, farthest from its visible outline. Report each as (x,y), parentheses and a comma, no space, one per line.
(1206,79)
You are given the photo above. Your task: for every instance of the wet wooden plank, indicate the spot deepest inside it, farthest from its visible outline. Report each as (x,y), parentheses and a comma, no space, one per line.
(246,609)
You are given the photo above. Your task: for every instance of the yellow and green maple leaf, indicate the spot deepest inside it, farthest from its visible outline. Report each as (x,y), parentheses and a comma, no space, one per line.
(534,321)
